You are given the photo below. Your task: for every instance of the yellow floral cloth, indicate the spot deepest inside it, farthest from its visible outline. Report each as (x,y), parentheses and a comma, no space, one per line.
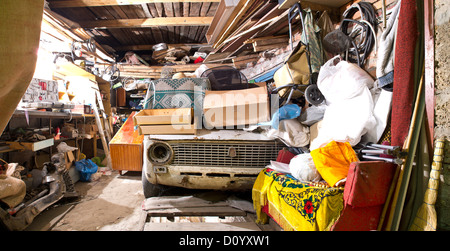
(295,205)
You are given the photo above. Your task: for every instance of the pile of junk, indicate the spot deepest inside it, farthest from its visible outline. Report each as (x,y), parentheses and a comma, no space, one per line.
(325,93)
(22,198)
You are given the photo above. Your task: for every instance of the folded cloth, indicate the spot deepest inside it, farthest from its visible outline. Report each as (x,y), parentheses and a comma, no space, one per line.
(333,161)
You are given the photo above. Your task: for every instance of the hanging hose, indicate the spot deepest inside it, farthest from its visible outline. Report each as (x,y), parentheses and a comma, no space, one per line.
(364,28)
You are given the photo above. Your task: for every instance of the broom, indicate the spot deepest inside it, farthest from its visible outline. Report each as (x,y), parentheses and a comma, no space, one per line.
(426,219)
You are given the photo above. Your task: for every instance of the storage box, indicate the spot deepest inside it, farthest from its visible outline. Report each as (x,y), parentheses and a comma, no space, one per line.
(237,107)
(177,116)
(190,128)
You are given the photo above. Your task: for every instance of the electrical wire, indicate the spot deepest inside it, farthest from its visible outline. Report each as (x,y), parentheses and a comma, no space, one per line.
(364,28)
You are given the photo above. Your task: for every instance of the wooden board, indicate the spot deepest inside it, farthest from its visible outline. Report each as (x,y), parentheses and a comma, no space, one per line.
(189,213)
(202,226)
(168,129)
(196,211)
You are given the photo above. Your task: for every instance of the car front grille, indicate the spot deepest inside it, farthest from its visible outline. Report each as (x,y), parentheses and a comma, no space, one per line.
(220,154)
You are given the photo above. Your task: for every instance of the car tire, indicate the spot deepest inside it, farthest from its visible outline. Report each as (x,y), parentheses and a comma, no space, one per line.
(149,189)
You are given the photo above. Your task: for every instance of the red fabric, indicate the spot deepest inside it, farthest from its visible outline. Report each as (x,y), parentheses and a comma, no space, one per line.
(284,156)
(365,193)
(368,183)
(358,219)
(403,92)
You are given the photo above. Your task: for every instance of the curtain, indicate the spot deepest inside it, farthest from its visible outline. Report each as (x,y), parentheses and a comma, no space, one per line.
(20,29)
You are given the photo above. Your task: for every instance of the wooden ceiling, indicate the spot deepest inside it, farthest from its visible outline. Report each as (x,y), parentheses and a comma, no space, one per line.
(137,25)
(120,26)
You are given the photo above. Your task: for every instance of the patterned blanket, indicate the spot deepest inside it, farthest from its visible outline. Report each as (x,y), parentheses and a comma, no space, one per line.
(176,93)
(295,205)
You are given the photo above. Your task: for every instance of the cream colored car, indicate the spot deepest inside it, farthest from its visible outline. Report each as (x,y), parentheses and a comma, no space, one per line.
(212,159)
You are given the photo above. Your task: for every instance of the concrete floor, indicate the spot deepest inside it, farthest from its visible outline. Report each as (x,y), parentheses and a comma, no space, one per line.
(114,203)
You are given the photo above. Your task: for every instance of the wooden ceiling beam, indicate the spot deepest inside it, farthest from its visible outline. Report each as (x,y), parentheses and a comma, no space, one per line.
(94,3)
(147,22)
(149,47)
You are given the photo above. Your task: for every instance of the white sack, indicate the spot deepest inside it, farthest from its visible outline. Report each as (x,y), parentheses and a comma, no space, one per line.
(291,132)
(349,113)
(302,168)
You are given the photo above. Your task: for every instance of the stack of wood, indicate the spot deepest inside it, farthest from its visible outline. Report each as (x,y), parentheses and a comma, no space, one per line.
(154,72)
(241,27)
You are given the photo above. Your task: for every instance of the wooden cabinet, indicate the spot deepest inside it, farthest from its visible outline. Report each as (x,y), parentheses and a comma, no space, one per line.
(126,148)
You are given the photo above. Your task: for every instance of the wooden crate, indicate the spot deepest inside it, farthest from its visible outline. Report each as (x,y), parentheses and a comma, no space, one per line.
(190,128)
(177,116)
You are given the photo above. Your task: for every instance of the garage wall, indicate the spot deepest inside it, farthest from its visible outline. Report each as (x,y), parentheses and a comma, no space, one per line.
(442,97)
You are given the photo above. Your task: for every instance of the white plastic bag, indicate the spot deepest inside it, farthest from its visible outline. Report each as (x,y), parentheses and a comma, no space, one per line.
(339,80)
(302,168)
(349,112)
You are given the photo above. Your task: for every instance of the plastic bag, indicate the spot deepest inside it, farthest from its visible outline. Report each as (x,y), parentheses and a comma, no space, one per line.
(340,80)
(86,168)
(349,112)
(290,111)
(302,168)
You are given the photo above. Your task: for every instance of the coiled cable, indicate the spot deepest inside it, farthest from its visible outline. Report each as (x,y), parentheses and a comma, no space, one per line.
(364,28)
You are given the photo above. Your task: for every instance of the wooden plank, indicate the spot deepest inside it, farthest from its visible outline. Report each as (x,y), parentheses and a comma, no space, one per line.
(202,226)
(178,201)
(196,211)
(149,47)
(147,22)
(271,16)
(233,20)
(269,40)
(268,47)
(429,69)
(93,3)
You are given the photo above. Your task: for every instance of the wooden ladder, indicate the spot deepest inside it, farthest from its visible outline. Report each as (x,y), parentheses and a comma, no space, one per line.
(103,128)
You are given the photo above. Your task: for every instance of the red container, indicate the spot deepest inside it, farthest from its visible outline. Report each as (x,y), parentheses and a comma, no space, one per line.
(284,156)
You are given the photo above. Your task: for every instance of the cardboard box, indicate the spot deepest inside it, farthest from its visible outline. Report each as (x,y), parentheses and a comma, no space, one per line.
(91,129)
(176,116)
(69,158)
(223,109)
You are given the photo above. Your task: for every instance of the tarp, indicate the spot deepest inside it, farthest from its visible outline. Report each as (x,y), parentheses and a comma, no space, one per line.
(20,29)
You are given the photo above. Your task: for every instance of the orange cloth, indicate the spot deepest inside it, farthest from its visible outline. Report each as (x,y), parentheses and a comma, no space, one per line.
(333,161)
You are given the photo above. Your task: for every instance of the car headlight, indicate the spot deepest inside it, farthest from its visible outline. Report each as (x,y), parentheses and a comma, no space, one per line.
(160,153)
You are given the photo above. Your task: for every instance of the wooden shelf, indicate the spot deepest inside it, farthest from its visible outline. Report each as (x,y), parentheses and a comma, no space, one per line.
(51,115)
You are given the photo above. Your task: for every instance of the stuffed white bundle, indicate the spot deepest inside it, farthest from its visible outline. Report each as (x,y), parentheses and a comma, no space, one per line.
(302,168)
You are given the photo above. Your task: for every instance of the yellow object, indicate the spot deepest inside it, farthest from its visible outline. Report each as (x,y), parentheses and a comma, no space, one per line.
(295,205)
(333,161)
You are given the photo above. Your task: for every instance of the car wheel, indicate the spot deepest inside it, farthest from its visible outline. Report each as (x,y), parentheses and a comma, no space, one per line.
(149,189)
